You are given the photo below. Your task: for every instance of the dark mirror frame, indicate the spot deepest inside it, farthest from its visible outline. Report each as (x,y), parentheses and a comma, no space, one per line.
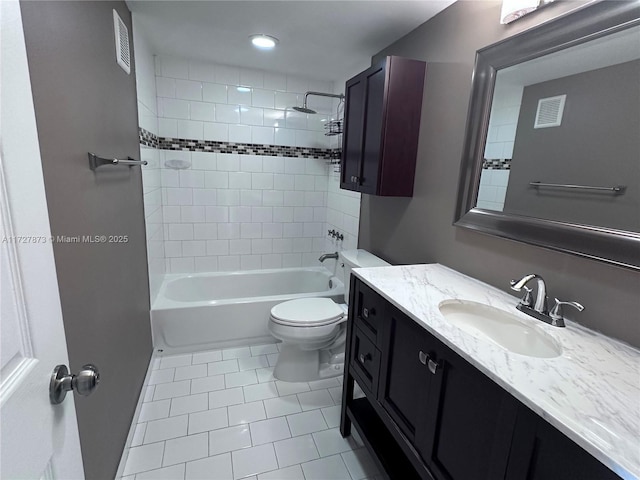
(619,247)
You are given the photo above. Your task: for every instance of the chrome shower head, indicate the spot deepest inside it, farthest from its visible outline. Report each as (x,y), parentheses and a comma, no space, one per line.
(304,109)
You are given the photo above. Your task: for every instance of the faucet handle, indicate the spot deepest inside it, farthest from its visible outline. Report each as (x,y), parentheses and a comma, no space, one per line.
(526,299)
(556,311)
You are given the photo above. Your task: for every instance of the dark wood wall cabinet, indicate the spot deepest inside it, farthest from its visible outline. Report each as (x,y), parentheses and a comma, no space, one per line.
(382,122)
(429,414)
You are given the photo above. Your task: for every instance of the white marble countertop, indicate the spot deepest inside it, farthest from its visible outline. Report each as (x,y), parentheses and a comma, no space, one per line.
(591,392)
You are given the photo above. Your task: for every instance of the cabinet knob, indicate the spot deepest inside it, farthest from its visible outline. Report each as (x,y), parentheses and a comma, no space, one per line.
(423,357)
(363,358)
(366,312)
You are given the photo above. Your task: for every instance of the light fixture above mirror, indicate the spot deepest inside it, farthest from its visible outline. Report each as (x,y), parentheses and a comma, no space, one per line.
(514,9)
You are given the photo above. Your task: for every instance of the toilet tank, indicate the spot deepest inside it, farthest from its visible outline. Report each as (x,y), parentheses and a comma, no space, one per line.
(357,259)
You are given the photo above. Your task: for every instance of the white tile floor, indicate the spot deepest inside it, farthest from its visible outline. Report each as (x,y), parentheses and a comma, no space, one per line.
(221,415)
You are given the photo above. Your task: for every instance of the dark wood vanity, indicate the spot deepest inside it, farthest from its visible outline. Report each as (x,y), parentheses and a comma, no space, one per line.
(429,414)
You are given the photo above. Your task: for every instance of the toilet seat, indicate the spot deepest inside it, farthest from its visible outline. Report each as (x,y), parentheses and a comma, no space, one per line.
(308,312)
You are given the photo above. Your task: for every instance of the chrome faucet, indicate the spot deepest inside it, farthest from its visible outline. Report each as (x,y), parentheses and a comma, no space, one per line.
(540,304)
(539,308)
(328,255)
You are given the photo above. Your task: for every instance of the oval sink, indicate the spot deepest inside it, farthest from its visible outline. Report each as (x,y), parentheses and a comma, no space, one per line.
(507,330)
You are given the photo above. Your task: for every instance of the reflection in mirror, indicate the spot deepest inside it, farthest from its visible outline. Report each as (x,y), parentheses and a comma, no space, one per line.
(564,121)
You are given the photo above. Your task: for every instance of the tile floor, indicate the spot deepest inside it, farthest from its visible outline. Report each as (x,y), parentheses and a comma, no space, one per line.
(221,415)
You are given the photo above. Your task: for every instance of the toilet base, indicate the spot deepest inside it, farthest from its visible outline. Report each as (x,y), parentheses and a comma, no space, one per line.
(297,365)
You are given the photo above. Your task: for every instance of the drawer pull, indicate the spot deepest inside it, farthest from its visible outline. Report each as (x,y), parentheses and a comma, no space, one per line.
(423,357)
(433,366)
(364,358)
(366,312)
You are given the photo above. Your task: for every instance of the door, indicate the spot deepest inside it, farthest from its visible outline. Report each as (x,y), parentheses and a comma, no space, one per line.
(373,126)
(39,440)
(539,451)
(469,423)
(353,133)
(404,380)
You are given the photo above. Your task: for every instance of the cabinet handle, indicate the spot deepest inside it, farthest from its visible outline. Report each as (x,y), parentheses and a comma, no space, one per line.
(355,179)
(366,312)
(423,357)
(433,366)
(364,358)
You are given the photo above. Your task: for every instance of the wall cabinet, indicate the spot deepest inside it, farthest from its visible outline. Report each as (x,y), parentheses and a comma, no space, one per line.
(382,121)
(430,414)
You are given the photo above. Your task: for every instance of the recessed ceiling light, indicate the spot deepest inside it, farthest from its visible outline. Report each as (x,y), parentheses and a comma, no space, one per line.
(264,42)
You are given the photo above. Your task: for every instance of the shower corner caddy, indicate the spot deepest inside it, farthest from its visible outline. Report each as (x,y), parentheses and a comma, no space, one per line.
(333,127)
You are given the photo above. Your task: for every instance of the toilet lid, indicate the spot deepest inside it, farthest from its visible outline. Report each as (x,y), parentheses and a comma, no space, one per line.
(307,312)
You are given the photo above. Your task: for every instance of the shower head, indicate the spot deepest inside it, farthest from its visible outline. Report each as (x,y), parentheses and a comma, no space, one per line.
(305,109)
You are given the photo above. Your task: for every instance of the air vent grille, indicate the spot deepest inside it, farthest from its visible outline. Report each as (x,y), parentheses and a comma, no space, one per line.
(550,111)
(123,53)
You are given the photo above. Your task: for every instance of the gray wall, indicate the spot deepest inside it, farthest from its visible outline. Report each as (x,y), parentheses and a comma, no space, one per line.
(596,144)
(85,102)
(419,229)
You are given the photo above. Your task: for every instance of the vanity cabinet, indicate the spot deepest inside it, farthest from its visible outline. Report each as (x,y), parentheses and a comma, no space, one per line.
(430,414)
(382,121)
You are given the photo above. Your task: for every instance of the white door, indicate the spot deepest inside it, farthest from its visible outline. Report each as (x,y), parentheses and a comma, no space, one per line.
(38,440)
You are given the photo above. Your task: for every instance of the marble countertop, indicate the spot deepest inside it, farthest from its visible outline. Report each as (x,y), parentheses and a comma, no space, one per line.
(591,392)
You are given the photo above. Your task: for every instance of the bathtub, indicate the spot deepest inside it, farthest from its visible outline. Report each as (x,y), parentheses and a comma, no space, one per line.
(213,310)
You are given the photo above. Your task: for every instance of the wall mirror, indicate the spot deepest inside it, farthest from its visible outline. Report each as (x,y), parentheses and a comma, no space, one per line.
(552,149)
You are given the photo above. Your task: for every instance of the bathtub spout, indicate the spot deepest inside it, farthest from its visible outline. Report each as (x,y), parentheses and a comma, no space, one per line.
(328,255)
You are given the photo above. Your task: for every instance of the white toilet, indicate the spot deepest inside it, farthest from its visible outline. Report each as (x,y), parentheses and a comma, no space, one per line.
(313,330)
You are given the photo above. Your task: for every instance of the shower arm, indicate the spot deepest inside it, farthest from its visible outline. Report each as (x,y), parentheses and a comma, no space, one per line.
(322,94)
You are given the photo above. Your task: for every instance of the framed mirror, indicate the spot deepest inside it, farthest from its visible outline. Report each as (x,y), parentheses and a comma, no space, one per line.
(552,148)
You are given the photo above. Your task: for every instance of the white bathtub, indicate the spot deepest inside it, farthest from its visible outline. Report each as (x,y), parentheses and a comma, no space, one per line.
(211,310)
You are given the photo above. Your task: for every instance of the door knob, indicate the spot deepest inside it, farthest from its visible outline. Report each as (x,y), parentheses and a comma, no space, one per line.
(84,383)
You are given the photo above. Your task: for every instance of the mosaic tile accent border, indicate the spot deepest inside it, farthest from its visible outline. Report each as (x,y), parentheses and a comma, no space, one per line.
(149,139)
(497,164)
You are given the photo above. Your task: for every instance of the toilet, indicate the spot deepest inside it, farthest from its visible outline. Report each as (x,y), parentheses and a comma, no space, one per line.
(313,330)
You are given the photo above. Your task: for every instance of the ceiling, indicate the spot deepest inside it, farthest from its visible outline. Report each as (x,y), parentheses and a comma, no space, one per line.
(326,40)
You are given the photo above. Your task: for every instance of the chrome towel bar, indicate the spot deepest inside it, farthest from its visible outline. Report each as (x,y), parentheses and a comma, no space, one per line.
(618,189)
(96,161)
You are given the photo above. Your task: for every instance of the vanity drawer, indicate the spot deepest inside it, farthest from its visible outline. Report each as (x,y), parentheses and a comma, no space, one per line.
(369,313)
(365,361)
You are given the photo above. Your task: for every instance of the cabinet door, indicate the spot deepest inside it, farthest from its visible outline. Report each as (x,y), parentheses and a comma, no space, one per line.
(404,380)
(373,127)
(469,422)
(541,452)
(355,91)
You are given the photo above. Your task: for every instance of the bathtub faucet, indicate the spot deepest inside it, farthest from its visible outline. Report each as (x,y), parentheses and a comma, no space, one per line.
(328,255)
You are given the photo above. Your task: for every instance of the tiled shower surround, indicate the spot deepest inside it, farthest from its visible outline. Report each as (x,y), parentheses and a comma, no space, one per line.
(232,212)
(259,192)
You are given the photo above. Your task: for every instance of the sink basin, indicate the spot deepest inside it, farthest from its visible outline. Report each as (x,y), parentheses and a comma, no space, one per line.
(507,330)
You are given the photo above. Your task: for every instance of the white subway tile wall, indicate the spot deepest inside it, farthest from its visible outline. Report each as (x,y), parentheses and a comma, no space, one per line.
(228,206)
(493,189)
(231,212)
(259,212)
(503,121)
(500,140)
(199,100)
(151,173)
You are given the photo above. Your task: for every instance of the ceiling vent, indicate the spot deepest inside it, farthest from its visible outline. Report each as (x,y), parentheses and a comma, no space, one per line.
(123,54)
(549,112)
